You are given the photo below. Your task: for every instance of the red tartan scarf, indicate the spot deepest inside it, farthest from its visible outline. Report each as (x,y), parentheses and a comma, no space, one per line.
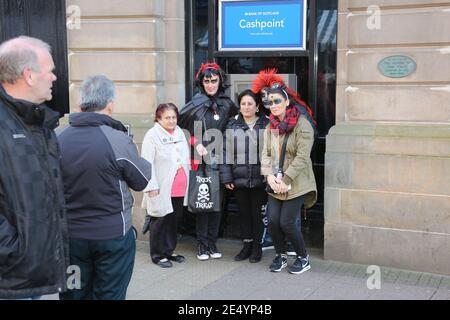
(289,122)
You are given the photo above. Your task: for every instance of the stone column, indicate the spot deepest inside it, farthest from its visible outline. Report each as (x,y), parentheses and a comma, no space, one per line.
(387,164)
(139,44)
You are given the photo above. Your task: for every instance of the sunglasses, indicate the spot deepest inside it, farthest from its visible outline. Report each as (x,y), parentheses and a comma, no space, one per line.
(212,81)
(269,103)
(278,87)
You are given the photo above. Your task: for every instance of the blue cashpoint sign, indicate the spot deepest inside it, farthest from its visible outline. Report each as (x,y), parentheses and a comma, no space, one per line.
(262,25)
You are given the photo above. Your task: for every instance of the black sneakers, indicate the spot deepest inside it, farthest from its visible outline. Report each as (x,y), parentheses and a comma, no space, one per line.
(164,263)
(177,258)
(202,253)
(300,265)
(213,252)
(278,263)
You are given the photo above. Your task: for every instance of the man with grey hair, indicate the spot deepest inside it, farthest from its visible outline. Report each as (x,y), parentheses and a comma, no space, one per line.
(33,227)
(100,163)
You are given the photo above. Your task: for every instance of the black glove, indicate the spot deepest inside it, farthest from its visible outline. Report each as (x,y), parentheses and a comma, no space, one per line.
(146,226)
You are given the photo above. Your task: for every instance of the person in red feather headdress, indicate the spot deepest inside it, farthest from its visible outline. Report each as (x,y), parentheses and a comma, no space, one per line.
(269,78)
(291,184)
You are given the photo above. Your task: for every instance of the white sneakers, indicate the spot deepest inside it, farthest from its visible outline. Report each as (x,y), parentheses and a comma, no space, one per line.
(204,253)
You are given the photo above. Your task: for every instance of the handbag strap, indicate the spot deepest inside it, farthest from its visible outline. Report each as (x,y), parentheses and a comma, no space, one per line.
(283,154)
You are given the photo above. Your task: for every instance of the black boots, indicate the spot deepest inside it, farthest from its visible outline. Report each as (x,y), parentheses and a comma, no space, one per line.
(256,254)
(245,252)
(252,250)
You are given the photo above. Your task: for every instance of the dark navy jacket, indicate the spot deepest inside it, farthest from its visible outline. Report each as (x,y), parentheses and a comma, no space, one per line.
(99,165)
(33,229)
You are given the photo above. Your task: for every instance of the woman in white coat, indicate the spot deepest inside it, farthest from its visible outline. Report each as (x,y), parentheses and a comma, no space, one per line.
(166,148)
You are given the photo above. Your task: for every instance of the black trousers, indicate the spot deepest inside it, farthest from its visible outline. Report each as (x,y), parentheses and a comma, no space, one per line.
(250,201)
(106,267)
(163,232)
(283,224)
(207,227)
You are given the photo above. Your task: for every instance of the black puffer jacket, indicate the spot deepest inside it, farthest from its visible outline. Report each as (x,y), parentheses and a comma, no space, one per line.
(33,228)
(242,150)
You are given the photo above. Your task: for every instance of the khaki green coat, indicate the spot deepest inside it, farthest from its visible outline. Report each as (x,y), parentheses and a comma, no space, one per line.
(297,167)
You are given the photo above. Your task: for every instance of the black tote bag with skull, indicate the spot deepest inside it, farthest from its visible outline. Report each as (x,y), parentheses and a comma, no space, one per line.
(204,190)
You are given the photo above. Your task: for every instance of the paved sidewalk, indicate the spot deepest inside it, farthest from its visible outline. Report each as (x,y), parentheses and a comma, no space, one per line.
(225,279)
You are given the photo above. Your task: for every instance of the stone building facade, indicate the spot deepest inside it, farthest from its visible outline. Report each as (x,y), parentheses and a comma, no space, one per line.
(387,180)
(139,44)
(387,165)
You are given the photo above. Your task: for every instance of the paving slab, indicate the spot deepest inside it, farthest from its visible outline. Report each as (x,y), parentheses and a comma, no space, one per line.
(441,294)
(342,288)
(226,279)
(398,291)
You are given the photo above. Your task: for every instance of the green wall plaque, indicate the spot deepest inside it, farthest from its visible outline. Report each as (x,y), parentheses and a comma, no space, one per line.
(397,66)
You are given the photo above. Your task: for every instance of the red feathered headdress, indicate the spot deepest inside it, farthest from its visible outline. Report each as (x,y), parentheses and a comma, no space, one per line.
(267,78)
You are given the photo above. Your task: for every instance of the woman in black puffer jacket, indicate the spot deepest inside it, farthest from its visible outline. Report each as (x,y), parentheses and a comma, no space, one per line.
(241,171)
